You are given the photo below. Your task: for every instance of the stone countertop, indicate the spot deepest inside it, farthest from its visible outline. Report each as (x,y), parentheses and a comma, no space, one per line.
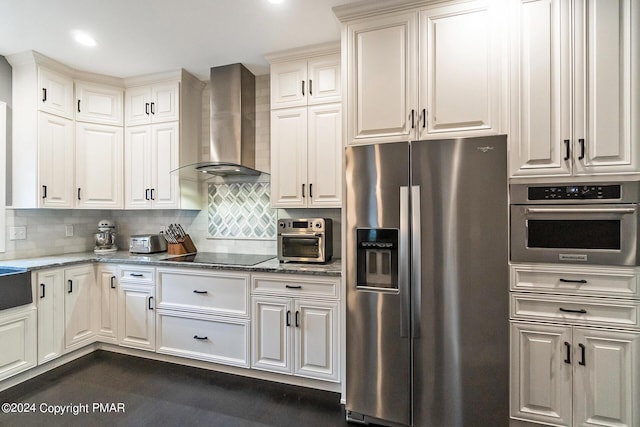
(332,268)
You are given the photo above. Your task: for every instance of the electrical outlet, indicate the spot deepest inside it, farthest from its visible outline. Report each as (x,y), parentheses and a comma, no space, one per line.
(68,230)
(17,233)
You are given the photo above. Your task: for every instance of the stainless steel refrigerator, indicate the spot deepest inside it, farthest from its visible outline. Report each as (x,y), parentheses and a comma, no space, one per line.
(427,283)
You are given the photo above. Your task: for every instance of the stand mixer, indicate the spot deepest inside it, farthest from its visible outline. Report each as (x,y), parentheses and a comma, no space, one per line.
(105,237)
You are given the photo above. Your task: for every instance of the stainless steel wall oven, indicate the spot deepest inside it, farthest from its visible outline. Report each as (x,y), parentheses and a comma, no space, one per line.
(591,223)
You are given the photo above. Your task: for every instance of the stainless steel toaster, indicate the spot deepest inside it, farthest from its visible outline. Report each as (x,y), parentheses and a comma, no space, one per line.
(147,243)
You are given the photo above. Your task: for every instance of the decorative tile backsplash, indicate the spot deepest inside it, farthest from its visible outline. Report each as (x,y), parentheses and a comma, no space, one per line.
(241,210)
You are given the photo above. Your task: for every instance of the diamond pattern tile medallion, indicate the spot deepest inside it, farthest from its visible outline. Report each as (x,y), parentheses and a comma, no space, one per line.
(241,211)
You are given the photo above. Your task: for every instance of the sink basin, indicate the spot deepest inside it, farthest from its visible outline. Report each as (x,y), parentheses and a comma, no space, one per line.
(15,287)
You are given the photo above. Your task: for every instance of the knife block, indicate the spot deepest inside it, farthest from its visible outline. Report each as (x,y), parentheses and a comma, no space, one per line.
(184,246)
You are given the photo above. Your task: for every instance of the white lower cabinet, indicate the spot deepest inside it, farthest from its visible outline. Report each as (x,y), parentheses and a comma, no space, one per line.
(292,332)
(50,301)
(204,314)
(107,278)
(564,375)
(213,339)
(18,341)
(136,308)
(79,315)
(575,358)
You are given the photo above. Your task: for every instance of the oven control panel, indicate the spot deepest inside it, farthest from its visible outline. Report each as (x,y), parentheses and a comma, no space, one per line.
(314,225)
(579,192)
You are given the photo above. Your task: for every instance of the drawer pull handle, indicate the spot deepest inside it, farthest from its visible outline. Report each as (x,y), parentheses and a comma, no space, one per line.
(43,289)
(136,275)
(568,310)
(568,359)
(573,281)
(288,317)
(113,278)
(70,286)
(293,287)
(150,303)
(297,319)
(199,292)
(195,337)
(583,351)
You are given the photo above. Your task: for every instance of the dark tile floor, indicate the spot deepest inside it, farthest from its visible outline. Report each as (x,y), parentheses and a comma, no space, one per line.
(164,394)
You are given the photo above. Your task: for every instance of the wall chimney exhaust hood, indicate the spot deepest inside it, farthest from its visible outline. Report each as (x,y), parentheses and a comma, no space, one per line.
(232,143)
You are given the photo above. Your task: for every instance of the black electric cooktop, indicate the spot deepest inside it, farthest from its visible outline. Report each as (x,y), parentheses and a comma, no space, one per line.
(222,258)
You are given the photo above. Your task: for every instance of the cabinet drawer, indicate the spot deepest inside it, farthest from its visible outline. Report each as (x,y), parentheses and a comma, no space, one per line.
(197,337)
(576,310)
(610,282)
(135,274)
(199,291)
(291,285)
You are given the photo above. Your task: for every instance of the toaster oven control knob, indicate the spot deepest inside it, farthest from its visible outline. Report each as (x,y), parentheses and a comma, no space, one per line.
(317,224)
(281,224)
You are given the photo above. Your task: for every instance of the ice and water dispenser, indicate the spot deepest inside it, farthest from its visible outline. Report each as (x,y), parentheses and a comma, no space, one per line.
(377,258)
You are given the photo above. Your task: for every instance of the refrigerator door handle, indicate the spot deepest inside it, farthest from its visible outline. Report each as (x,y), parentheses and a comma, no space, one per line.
(403,263)
(416,258)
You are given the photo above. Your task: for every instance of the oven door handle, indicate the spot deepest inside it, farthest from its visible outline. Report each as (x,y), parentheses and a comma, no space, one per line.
(621,211)
(301,236)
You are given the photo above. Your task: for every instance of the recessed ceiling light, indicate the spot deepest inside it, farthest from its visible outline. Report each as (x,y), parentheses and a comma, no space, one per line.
(276,1)
(83,38)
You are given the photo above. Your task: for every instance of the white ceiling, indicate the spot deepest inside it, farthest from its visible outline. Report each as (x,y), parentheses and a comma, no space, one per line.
(136,37)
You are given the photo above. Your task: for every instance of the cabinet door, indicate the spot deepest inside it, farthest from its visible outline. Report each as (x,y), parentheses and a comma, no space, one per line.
(137,106)
(289,158)
(56,161)
(289,84)
(19,340)
(324,80)
(541,88)
(540,377)
(55,93)
(317,340)
(138,164)
(136,316)
(604,76)
(79,312)
(50,286)
(606,378)
(324,155)
(99,163)
(164,102)
(271,335)
(165,185)
(107,277)
(382,75)
(98,103)
(459,76)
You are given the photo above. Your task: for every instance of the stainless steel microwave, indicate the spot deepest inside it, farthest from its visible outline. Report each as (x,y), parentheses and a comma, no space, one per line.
(591,223)
(305,240)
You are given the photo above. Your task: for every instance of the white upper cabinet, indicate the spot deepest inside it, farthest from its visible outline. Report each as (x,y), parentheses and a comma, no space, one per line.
(55,93)
(96,103)
(163,126)
(306,128)
(151,153)
(152,104)
(302,82)
(424,73)
(99,164)
(460,57)
(572,76)
(56,162)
